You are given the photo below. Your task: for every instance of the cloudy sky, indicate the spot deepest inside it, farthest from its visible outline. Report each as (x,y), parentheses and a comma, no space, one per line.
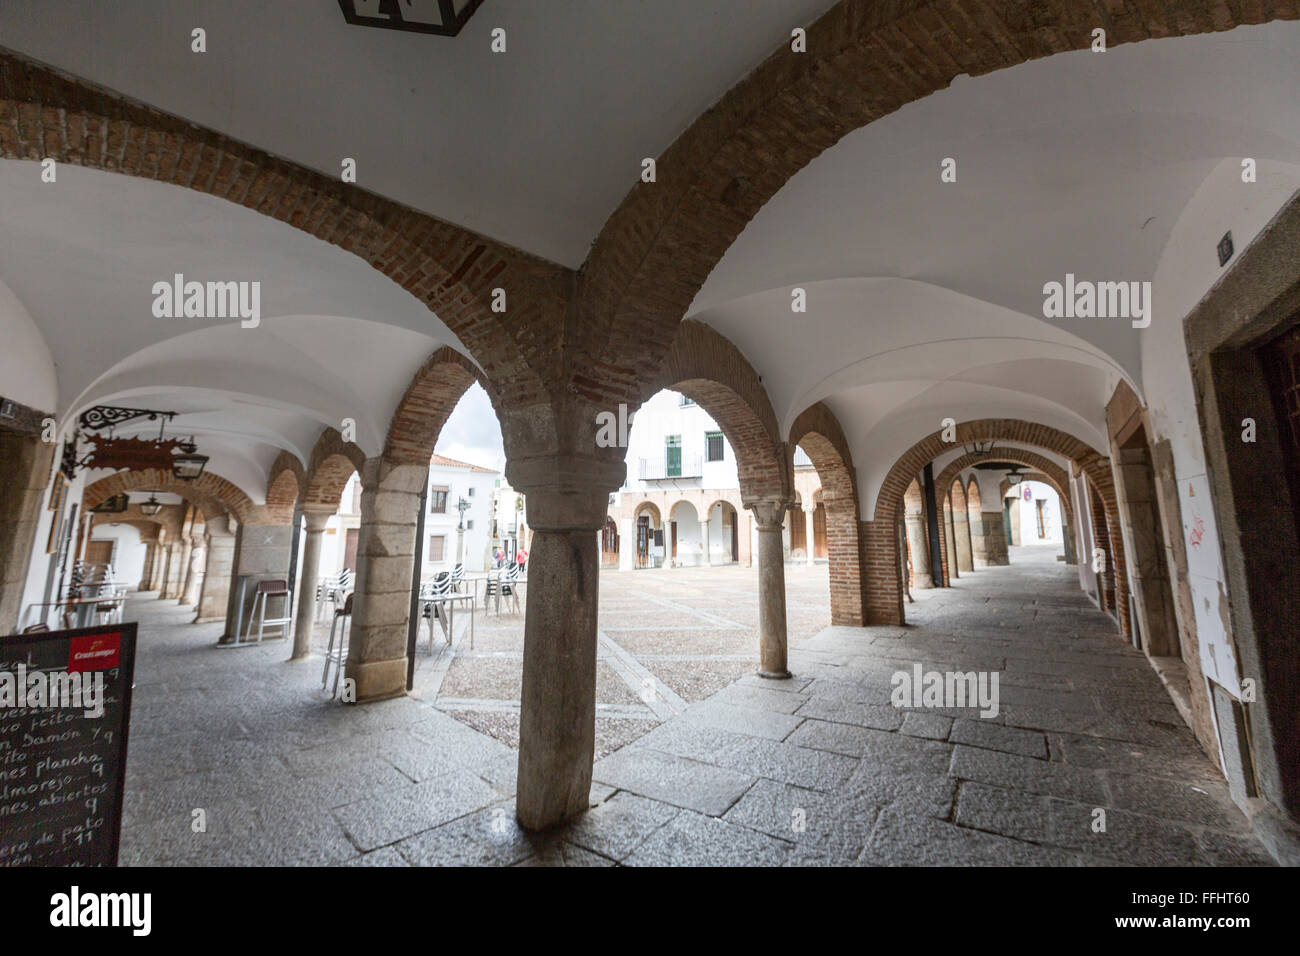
(472,434)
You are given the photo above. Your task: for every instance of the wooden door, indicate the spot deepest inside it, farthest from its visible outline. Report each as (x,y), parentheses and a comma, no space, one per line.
(99,552)
(350,549)
(674,525)
(819,531)
(798,531)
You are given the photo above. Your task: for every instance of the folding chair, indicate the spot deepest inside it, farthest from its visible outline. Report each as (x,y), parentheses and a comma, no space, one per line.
(338,655)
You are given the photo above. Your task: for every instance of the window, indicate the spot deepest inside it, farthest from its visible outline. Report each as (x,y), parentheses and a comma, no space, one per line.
(469,525)
(713,446)
(673,456)
(438,500)
(686,401)
(437,546)
(471,491)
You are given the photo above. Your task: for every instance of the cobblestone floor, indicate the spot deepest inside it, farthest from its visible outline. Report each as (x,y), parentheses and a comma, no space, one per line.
(721,769)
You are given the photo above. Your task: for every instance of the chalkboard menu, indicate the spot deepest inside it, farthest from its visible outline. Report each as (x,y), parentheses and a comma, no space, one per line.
(65,703)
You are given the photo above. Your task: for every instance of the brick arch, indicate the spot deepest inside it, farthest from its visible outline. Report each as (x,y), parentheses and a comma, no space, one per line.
(974,504)
(47,114)
(817,431)
(864,60)
(885,605)
(429,400)
(333,462)
(683,501)
(957,494)
(705,367)
(653,508)
(1052,474)
(211,493)
(285,482)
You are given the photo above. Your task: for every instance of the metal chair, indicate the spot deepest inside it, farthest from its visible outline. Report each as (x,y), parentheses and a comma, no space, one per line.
(329,587)
(504,582)
(337,655)
(457,577)
(265,591)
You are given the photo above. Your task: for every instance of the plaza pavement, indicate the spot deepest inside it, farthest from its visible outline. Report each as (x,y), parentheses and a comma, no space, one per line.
(699,760)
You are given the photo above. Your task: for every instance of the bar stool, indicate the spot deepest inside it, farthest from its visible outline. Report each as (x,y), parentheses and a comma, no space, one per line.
(265,591)
(337,655)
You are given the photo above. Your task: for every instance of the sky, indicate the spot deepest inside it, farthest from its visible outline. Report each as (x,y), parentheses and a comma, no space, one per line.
(472,434)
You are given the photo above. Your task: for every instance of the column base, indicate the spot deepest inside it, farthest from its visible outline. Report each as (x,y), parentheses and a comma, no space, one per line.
(378,680)
(775,675)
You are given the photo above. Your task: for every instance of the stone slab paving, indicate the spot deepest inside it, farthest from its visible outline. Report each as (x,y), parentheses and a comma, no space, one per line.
(817,770)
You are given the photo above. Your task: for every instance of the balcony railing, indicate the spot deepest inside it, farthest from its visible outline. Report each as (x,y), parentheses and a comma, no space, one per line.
(656,469)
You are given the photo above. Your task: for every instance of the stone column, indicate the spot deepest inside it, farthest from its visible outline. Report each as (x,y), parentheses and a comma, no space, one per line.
(381,604)
(261,554)
(149,548)
(965,547)
(309,561)
(183,568)
(159,565)
(557,721)
(626,544)
(218,566)
(810,543)
(950,544)
(770,518)
(995,539)
(706,558)
(194,577)
(918,543)
(1067,539)
(978,542)
(667,529)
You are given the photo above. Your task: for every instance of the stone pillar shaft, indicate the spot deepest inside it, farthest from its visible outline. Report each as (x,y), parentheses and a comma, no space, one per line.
(219,565)
(919,545)
(557,725)
(310,564)
(809,537)
(772,640)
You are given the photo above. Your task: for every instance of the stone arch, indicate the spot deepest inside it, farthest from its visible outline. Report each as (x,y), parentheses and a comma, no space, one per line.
(48,114)
(332,463)
(653,508)
(212,494)
(973,501)
(863,61)
(704,366)
(817,431)
(885,605)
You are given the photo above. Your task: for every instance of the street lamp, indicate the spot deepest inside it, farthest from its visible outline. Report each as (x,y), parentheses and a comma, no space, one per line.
(979,448)
(151,507)
(1014,476)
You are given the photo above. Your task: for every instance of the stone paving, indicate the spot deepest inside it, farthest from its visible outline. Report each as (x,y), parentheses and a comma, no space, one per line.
(821,769)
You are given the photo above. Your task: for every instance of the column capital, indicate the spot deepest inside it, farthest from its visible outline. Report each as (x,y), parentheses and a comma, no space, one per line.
(316,520)
(769,513)
(566,492)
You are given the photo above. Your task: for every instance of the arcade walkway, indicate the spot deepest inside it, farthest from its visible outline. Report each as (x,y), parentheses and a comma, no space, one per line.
(817,769)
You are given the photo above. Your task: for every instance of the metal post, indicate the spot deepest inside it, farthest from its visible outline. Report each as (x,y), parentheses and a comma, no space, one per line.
(413,624)
(932,525)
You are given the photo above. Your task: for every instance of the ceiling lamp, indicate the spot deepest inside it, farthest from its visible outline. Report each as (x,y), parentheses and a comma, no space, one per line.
(979,448)
(1014,476)
(151,507)
(188,465)
(441,17)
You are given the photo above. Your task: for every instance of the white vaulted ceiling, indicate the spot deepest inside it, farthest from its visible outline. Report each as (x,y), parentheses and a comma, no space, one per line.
(534,147)
(924,298)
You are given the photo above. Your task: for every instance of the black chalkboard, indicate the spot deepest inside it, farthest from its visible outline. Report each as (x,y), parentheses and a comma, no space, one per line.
(61,771)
